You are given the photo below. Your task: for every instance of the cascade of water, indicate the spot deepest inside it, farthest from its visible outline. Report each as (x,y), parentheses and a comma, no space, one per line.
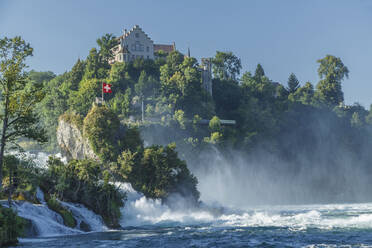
(86,219)
(48,223)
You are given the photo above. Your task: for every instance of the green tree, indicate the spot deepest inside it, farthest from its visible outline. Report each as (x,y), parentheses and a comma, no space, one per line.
(304,94)
(73,78)
(226,65)
(355,120)
(86,182)
(11,227)
(259,73)
(293,83)
(95,68)
(227,96)
(331,72)
(157,172)
(40,76)
(146,87)
(81,100)
(19,96)
(106,43)
(121,103)
(215,138)
(101,127)
(179,116)
(215,124)
(369,116)
(181,86)
(52,106)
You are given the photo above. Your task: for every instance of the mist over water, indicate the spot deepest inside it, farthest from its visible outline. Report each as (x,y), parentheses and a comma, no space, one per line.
(263,179)
(227,217)
(313,163)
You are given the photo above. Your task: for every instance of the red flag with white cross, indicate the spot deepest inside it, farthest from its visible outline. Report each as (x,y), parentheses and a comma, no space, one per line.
(106,88)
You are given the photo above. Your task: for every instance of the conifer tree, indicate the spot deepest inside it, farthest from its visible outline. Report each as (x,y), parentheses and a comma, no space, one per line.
(259,73)
(293,83)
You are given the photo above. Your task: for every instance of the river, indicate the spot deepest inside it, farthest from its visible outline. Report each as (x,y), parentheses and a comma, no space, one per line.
(148,223)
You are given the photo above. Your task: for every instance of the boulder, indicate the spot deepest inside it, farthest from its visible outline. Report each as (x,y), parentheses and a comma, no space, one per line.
(72,143)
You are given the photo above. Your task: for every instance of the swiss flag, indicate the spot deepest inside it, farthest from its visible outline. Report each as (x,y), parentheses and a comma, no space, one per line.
(106,88)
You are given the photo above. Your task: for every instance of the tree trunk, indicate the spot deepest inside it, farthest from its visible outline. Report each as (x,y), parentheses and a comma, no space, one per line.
(3,141)
(142,111)
(10,188)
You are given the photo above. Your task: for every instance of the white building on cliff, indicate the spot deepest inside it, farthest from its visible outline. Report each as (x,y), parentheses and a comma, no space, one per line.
(135,43)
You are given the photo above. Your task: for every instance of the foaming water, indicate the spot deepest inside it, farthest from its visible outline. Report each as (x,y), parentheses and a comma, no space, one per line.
(86,216)
(149,223)
(47,223)
(140,210)
(345,225)
(39,158)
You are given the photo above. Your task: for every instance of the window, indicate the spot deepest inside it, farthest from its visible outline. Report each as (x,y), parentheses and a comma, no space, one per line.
(138,46)
(148,56)
(147,49)
(137,35)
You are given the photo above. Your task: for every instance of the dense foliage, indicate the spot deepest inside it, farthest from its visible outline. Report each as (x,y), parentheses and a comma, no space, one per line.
(164,100)
(11,227)
(176,108)
(83,182)
(80,181)
(102,128)
(18,96)
(158,172)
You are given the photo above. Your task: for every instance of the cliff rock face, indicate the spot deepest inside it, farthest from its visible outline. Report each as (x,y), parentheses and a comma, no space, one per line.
(73,144)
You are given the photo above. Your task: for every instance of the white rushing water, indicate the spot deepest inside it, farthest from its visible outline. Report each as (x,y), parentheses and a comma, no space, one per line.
(48,223)
(142,211)
(139,211)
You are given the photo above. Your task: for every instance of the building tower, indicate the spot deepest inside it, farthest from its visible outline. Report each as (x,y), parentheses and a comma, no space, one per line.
(207,74)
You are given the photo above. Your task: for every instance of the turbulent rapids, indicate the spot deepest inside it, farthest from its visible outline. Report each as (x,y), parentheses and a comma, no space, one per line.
(148,222)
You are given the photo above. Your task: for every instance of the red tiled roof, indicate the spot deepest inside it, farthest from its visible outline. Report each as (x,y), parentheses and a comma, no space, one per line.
(165,48)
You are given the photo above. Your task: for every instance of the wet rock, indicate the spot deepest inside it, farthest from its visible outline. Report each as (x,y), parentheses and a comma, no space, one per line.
(85,226)
(73,144)
(30,230)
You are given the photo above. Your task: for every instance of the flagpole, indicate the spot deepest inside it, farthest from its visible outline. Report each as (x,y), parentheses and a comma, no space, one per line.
(102,93)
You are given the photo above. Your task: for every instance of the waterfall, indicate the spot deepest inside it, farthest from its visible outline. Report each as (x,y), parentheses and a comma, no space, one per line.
(49,223)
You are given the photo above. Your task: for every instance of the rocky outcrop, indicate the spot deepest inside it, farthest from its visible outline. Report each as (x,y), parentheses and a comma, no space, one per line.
(30,229)
(72,143)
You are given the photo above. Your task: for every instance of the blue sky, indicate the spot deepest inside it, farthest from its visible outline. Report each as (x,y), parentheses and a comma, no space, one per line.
(283,35)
